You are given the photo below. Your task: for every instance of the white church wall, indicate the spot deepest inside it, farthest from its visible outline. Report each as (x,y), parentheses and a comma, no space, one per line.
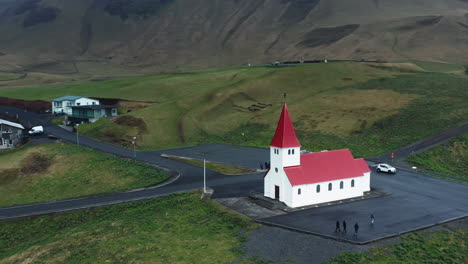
(291,156)
(310,196)
(366,182)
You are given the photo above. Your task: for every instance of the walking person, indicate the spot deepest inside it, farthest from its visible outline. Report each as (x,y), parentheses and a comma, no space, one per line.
(344,226)
(356,228)
(372,219)
(337,229)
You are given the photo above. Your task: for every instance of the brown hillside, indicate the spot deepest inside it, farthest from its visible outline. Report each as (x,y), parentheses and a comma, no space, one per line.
(181,34)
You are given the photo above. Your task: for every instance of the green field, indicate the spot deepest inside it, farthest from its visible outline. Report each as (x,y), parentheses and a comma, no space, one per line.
(218,167)
(434,247)
(370,108)
(450,158)
(57,171)
(174,229)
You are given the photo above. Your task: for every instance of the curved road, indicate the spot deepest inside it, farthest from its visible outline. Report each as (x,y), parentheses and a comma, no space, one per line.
(191,177)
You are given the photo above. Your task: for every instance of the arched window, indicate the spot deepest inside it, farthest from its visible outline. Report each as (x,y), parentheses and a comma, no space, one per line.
(289,152)
(330,187)
(341,185)
(299,191)
(318,188)
(293,151)
(352,183)
(276,169)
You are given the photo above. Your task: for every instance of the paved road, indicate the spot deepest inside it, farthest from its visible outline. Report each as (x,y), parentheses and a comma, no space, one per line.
(424,144)
(191,177)
(415,201)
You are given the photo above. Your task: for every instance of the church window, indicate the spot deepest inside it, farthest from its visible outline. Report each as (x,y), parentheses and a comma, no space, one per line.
(341,185)
(289,152)
(330,187)
(293,151)
(352,183)
(318,188)
(276,169)
(299,191)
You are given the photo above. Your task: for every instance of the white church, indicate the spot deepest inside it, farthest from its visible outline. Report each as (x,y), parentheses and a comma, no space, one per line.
(301,179)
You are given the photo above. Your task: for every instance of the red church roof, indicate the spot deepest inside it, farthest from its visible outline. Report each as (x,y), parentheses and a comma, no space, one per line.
(326,166)
(285,136)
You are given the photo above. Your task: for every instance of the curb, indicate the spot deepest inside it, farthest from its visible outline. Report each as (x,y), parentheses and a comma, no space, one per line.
(357,242)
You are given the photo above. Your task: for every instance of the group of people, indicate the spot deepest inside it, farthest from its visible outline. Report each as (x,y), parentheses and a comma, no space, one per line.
(356,225)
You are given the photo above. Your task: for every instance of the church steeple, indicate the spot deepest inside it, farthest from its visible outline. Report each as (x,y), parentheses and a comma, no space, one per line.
(285,136)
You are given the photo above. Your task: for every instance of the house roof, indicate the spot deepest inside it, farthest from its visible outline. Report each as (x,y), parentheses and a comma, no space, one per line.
(326,166)
(285,136)
(67,98)
(12,124)
(94,107)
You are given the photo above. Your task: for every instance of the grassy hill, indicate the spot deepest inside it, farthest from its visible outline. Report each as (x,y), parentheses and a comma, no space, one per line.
(370,108)
(188,34)
(58,171)
(175,229)
(450,158)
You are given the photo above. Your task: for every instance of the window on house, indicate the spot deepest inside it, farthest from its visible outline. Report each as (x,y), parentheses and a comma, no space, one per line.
(352,183)
(78,103)
(293,151)
(276,169)
(289,152)
(299,191)
(94,103)
(318,188)
(341,185)
(330,187)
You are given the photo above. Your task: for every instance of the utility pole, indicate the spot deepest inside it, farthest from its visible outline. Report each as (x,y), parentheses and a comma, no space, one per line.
(134,147)
(77,136)
(204,174)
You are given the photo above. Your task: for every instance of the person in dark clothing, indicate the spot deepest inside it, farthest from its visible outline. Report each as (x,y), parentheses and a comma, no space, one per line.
(344,226)
(337,229)
(356,228)
(372,219)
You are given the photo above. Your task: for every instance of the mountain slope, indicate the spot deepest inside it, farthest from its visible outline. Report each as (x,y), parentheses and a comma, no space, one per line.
(172,34)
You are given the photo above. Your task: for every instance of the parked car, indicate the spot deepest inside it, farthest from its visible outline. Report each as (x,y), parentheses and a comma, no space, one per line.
(276,63)
(37,130)
(385,168)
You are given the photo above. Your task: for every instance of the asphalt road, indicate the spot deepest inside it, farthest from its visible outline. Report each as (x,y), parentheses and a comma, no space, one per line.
(415,201)
(190,177)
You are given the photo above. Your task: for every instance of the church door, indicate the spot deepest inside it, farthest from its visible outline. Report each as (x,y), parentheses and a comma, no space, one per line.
(277,190)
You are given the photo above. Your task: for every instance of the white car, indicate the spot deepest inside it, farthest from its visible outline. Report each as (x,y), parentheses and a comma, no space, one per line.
(37,130)
(385,168)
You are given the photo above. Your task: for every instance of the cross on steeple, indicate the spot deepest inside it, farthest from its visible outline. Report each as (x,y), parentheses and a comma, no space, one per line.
(285,94)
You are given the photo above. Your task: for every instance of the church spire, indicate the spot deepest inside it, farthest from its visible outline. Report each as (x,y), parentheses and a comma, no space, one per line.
(285,136)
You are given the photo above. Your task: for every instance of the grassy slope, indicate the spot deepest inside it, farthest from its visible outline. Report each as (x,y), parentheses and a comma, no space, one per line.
(74,171)
(450,159)
(175,229)
(436,247)
(369,114)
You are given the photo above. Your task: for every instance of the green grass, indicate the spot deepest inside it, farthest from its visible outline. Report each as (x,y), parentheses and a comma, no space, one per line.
(5,76)
(435,247)
(450,158)
(58,121)
(439,66)
(175,229)
(58,171)
(382,107)
(218,167)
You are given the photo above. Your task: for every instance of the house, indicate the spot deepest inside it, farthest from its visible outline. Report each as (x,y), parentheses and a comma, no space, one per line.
(64,104)
(11,134)
(91,113)
(301,179)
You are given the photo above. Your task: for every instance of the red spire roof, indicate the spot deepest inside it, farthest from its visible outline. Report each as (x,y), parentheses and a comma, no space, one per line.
(285,136)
